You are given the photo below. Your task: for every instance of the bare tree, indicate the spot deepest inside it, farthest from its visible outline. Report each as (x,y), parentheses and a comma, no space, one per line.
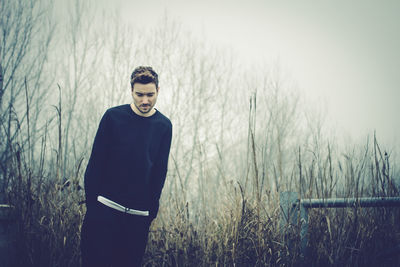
(26,33)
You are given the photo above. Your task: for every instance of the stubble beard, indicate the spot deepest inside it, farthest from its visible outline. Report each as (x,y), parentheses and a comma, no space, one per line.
(142,111)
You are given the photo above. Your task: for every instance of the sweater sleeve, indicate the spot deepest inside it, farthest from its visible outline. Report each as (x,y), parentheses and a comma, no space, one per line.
(159,172)
(97,162)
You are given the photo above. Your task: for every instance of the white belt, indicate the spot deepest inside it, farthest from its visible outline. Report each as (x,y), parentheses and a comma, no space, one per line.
(116,206)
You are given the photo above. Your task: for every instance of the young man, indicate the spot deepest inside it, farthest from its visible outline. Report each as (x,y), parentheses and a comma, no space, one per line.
(125,176)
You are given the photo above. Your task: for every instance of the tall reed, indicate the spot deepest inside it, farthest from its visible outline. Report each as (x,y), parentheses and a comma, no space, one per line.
(243,229)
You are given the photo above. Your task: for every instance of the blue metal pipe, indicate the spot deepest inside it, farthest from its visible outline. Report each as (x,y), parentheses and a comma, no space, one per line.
(351,202)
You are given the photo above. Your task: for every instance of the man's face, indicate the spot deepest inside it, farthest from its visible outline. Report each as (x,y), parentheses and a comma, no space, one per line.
(144,97)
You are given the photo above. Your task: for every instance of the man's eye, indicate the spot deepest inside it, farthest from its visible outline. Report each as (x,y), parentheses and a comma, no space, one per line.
(139,94)
(150,95)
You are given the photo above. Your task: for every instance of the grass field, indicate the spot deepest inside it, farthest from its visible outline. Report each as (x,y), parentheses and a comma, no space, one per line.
(238,226)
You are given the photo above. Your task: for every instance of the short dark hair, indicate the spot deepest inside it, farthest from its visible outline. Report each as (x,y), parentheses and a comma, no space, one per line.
(145,75)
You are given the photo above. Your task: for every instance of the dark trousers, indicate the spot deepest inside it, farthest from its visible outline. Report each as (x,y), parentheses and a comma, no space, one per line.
(113,238)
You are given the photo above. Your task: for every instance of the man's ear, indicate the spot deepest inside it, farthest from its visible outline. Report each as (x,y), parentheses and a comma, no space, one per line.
(158,89)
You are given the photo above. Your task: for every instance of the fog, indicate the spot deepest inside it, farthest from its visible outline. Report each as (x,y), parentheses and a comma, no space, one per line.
(263,98)
(343,55)
(323,71)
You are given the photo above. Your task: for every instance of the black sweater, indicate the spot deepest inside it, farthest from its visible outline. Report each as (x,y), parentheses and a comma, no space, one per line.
(129,159)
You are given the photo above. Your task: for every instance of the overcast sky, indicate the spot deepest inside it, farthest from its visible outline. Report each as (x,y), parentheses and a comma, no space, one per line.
(343,54)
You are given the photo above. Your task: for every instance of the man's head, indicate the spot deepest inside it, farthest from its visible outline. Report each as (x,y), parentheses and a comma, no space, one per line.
(144,86)
(144,75)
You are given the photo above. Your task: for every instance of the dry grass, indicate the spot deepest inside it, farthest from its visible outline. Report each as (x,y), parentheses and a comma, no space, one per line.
(244,230)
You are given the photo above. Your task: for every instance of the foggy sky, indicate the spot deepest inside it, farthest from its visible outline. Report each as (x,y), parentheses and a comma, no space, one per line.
(344,55)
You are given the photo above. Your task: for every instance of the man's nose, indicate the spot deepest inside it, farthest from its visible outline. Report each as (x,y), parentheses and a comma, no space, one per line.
(145,100)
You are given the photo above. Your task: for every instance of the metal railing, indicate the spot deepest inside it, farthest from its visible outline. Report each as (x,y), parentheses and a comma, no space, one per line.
(294,211)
